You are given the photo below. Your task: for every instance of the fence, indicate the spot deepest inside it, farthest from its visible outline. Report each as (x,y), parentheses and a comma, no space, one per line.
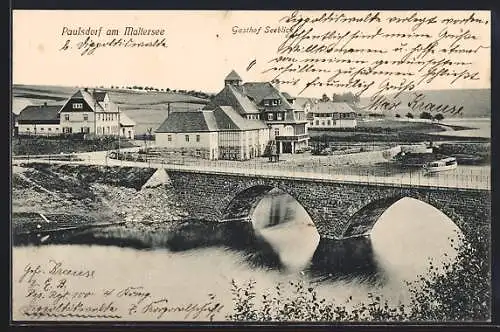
(466,177)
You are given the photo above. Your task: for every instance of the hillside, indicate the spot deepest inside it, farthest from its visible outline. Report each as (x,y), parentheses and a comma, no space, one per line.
(476,102)
(24,95)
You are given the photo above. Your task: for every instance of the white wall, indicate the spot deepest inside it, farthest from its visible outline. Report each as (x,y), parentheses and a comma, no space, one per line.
(39,129)
(106,123)
(208,141)
(334,123)
(125,132)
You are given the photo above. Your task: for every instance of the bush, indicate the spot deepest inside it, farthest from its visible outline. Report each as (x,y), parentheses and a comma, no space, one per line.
(459,291)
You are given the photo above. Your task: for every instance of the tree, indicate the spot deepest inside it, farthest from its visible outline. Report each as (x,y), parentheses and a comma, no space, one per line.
(397,115)
(409,115)
(325,97)
(438,117)
(426,115)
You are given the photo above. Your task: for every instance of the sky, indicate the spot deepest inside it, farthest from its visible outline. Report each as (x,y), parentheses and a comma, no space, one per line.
(202,49)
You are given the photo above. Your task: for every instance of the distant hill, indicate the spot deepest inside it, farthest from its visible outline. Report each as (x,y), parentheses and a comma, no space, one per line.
(24,95)
(476,102)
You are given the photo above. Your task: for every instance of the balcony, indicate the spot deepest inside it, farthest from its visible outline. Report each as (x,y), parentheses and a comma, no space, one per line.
(294,138)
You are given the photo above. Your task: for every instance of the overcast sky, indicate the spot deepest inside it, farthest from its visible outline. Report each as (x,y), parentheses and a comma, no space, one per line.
(201,49)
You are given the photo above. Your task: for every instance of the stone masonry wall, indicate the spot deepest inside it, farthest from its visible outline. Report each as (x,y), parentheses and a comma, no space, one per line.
(330,204)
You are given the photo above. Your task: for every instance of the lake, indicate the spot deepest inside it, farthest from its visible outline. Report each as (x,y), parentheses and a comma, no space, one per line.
(399,247)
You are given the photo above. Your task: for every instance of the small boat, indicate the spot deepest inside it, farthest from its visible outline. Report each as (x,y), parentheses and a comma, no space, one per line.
(440,165)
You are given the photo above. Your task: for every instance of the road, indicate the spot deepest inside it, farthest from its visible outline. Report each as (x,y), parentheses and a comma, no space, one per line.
(462,178)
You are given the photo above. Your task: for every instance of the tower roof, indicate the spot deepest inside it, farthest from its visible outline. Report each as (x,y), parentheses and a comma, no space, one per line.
(233,76)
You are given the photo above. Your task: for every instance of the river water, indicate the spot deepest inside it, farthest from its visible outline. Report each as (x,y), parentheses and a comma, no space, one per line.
(399,247)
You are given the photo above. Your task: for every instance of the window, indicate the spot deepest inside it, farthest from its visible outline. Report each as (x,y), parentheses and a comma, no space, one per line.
(66,117)
(270,116)
(57,129)
(27,129)
(276,132)
(266,102)
(197,138)
(77,106)
(187,138)
(49,129)
(67,130)
(317,122)
(169,138)
(85,117)
(279,116)
(329,122)
(41,129)
(275,102)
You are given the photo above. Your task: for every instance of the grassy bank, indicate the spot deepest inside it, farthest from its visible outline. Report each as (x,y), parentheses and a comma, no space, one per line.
(35,145)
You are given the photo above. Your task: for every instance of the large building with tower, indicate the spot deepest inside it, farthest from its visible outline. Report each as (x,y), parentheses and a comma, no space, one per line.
(243,120)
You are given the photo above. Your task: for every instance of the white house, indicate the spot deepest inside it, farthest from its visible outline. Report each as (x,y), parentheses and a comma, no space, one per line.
(84,112)
(213,134)
(328,114)
(39,120)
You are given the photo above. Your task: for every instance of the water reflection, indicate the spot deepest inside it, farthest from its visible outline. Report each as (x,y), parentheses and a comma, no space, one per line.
(406,237)
(203,257)
(283,223)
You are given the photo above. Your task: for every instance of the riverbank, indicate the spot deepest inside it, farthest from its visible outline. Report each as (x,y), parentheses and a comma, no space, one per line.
(75,195)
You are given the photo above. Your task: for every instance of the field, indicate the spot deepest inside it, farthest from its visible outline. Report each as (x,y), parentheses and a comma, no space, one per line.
(399,131)
(147,109)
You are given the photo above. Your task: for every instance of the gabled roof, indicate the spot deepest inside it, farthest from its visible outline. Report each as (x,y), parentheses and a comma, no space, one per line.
(272,95)
(287,96)
(94,101)
(260,90)
(230,96)
(302,101)
(39,114)
(100,95)
(125,121)
(233,76)
(228,119)
(188,121)
(223,118)
(331,107)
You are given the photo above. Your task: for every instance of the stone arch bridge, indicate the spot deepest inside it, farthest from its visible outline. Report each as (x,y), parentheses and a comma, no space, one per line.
(338,209)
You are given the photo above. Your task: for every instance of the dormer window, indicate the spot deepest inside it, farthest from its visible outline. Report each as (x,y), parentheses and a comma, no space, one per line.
(77,105)
(270,116)
(279,116)
(266,102)
(275,102)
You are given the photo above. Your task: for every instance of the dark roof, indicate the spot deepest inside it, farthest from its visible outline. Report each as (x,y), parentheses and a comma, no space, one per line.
(186,122)
(331,107)
(233,76)
(258,91)
(39,114)
(93,102)
(230,96)
(287,96)
(223,118)
(228,119)
(99,95)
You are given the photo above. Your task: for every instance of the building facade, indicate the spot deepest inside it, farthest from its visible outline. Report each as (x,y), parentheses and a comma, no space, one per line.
(86,112)
(328,115)
(286,121)
(213,134)
(39,120)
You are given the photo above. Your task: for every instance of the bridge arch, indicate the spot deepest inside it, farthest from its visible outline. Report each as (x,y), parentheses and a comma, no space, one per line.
(364,219)
(243,201)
